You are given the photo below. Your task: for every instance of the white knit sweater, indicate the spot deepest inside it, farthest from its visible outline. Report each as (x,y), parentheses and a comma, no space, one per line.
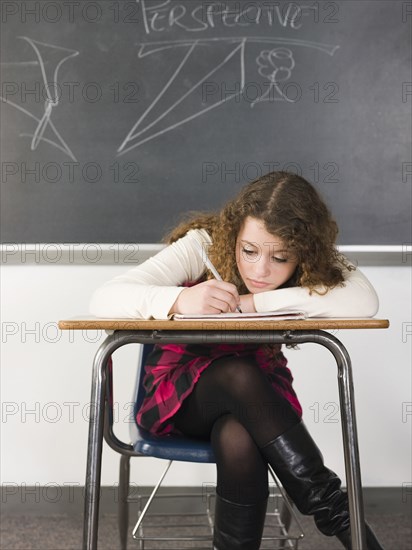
(150,289)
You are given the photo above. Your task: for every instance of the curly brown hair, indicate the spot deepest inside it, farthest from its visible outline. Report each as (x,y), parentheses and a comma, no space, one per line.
(291,209)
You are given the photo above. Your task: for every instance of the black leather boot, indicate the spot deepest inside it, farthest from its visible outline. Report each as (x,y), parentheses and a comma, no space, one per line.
(238,526)
(315,489)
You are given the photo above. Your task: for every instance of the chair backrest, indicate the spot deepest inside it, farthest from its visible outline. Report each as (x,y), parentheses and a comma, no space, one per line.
(170,447)
(138,396)
(138,390)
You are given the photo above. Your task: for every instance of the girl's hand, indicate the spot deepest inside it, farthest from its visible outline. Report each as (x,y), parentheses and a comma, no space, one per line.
(247,305)
(208,297)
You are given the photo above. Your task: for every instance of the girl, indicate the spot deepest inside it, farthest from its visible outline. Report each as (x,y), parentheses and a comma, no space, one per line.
(274,246)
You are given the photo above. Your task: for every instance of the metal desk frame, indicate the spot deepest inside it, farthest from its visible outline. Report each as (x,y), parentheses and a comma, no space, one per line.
(120,338)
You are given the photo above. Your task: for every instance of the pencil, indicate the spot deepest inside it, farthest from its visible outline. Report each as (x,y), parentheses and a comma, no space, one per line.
(209,265)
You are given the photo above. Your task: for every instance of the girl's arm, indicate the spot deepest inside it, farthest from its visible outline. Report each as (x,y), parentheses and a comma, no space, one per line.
(150,290)
(357,298)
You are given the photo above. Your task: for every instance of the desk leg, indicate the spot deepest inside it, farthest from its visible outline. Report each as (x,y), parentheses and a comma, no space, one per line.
(94,447)
(350,438)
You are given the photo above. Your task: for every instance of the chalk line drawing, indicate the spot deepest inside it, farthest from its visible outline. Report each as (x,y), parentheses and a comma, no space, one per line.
(18,63)
(52,96)
(276,65)
(131,136)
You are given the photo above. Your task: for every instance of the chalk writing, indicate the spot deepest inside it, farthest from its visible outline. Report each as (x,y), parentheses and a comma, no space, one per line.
(210,14)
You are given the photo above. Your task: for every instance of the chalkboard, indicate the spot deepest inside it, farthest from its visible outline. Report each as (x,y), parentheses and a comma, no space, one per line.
(117,117)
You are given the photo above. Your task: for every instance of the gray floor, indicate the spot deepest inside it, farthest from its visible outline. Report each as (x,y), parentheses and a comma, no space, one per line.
(29,522)
(34,524)
(64,532)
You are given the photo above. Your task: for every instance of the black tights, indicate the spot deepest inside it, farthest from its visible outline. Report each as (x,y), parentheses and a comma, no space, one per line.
(234,405)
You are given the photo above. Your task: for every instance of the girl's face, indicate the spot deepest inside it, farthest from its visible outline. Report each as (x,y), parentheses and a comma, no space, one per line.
(262,260)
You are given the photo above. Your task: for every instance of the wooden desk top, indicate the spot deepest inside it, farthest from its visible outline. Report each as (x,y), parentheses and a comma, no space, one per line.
(90,323)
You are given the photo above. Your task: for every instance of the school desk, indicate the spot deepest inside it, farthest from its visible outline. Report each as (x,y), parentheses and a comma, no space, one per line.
(129,331)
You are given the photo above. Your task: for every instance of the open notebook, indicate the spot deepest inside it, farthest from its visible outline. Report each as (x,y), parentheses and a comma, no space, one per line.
(279,315)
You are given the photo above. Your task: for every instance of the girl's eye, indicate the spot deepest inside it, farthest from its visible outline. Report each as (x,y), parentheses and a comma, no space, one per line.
(248,252)
(280,260)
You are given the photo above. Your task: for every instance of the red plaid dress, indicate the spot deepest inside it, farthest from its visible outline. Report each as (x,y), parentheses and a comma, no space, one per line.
(172,370)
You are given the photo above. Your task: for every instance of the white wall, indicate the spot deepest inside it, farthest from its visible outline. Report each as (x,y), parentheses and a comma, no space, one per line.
(49,373)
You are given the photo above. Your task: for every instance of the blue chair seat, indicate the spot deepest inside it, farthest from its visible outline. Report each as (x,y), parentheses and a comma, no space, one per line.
(171,447)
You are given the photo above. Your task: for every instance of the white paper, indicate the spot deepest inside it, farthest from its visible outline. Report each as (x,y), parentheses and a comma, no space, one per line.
(280,315)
